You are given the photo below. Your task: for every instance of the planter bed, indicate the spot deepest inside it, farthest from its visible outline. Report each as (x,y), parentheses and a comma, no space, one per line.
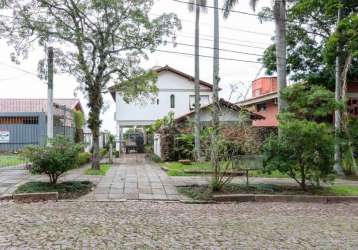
(65,190)
(273,193)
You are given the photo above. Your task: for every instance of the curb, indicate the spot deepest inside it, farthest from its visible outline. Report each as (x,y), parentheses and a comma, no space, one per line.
(35,197)
(284,198)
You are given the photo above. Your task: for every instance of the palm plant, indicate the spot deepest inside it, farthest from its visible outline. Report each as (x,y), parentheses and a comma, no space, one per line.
(198,6)
(279,11)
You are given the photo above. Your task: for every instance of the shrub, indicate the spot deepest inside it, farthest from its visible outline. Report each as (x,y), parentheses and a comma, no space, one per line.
(184,146)
(303,151)
(103,152)
(84,158)
(304,148)
(116,154)
(155,158)
(54,160)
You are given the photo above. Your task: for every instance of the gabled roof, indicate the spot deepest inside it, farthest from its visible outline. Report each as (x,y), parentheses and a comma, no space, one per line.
(266,97)
(36,105)
(224,103)
(170,69)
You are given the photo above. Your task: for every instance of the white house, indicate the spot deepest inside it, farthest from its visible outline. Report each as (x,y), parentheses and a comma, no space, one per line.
(175,94)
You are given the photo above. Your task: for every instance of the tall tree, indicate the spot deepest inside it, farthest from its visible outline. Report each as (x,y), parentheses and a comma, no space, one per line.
(98,42)
(198,6)
(216,108)
(279,13)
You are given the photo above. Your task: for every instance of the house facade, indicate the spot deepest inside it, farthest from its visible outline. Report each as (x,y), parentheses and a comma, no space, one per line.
(264,101)
(24,121)
(175,94)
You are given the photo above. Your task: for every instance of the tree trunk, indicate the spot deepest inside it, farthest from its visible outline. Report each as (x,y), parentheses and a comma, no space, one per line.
(94,122)
(337,113)
(197,88)
(280,36)
(216,109)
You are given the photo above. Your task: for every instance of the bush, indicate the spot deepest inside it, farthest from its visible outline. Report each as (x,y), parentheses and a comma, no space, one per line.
(303,151)
(103,152)
(54,160)
(84,158)
(116,154)
(155,158)
(184,146)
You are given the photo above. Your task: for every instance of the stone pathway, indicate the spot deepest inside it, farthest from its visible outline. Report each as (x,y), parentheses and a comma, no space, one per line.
(133,178)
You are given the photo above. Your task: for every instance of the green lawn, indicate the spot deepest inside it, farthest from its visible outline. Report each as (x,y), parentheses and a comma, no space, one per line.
(66,190)
(178,169)
(204,193)
(11,160)
(102,171)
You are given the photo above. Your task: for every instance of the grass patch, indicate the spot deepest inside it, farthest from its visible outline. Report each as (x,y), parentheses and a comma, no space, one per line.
(66,190)
(178,169)
(11,160)
(204,193)
(101,171)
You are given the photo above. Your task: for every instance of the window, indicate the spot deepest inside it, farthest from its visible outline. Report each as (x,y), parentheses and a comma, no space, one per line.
(172,101)
(158,101)
(204,100)
(261,107)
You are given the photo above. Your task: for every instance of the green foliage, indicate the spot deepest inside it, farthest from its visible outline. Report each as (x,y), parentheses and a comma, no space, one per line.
(54,160)
(303,151)
(309,102)
(306,58)
(79,120)
(84,158)
(103,169)
(103,152)
(66,190)
(184,146)
(346,35)
(167,121)
(304,147)
(97,42)
(155,158)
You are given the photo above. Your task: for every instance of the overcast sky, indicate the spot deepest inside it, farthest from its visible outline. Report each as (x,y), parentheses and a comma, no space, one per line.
(20,81)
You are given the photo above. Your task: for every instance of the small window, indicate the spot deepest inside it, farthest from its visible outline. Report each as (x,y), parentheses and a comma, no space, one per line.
(261,107)
(172,101)
(204,100)
(158,101)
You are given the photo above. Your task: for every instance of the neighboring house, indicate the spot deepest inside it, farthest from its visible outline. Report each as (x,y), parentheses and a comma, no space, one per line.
(229,114)
(24,121)
(88,139)
(175,94)
(264,101)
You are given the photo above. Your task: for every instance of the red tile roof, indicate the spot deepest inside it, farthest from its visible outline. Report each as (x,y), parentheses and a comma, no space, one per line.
(36,105)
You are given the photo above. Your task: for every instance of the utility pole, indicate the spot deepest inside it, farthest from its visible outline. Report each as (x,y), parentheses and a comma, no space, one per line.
(50,93)
(337,113)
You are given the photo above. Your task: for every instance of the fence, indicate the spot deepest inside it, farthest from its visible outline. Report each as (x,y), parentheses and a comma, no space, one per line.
(24,122)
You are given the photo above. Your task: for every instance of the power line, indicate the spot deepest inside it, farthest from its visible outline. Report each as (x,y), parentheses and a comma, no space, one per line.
(228,38)
(230,43)
(12,78)
(208,47)
(206,56)
(212,7)
(19,69)
(225,27)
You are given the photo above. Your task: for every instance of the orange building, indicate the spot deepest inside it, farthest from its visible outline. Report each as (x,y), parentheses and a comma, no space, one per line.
(264,100)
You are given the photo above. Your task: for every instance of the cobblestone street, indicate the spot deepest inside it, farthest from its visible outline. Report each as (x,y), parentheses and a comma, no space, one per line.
(160,225)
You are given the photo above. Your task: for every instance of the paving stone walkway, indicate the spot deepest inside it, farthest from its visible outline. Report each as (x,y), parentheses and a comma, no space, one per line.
(133,178)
